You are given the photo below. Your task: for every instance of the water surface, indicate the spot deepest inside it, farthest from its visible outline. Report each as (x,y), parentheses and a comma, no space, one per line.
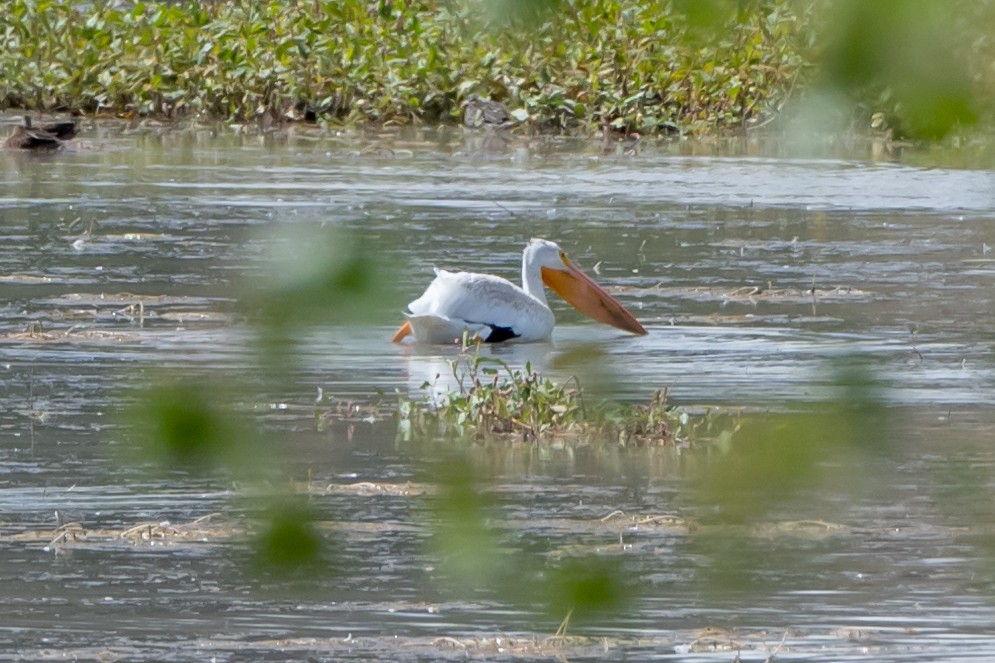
(133,256)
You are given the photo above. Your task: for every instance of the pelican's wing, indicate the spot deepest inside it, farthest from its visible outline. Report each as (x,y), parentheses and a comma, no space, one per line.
(489,306)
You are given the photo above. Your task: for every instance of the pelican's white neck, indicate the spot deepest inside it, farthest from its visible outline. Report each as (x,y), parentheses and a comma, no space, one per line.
(532,277)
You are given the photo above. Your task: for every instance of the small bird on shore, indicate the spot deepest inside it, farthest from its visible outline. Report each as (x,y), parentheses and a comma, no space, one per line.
(479,113)
(46,137)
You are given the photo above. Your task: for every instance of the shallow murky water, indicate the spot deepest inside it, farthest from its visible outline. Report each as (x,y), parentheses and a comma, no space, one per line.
(755,276)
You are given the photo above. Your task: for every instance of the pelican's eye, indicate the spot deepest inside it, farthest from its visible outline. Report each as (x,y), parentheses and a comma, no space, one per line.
(563,257)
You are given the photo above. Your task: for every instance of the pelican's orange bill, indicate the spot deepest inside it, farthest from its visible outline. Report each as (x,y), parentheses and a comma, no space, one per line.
(590,298)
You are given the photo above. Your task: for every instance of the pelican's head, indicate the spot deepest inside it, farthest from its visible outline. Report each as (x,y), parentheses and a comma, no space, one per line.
(569,282)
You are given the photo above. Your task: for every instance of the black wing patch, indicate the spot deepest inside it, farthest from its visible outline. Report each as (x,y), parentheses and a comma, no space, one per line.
(499,334)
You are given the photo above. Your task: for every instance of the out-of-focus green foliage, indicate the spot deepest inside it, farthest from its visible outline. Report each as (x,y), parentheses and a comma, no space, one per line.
(463,542)
(289,543)
(587,586)
(195,424)
(319,277)
(771,459)
(925,66)
(187,423)
(476,559)
(769,465)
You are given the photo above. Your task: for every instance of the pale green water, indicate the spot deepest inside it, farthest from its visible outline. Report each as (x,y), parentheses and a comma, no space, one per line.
(718,258)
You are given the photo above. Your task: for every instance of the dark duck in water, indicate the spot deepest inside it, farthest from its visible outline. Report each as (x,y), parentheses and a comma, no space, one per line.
(46,137)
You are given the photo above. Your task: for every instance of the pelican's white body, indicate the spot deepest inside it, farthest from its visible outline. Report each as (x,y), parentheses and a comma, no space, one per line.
(481,305)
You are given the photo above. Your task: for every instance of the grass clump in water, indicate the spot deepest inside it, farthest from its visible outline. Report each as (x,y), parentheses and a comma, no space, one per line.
(497,403)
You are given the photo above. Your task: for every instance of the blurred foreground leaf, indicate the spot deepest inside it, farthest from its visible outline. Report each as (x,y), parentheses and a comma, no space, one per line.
(317,276)
(911,56)
(475,558)
(466,545)
(590,366)
(288,542)
(768,470)
(709,16)
(191,424)
(321,276)
(768,461)
(772,459)
(587,586)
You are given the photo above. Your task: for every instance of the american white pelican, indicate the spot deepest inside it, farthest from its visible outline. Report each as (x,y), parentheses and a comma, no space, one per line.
(495,309)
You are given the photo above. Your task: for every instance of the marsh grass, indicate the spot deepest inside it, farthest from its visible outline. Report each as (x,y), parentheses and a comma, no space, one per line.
(495,402)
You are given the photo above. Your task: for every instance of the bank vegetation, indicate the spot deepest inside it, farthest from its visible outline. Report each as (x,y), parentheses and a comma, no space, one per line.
(625,66)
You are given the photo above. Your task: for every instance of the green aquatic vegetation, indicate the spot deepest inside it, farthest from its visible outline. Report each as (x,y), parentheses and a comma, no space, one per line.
(912,67)
(620,65)
(497,402)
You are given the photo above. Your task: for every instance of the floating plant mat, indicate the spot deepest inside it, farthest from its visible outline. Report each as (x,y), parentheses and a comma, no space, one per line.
(78,317)
(764,644)
(72,335)
(751,293)
(363,488)
(139,308)
(28,279)
(621,522)
(206,529)
(619,533)
(213,527)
